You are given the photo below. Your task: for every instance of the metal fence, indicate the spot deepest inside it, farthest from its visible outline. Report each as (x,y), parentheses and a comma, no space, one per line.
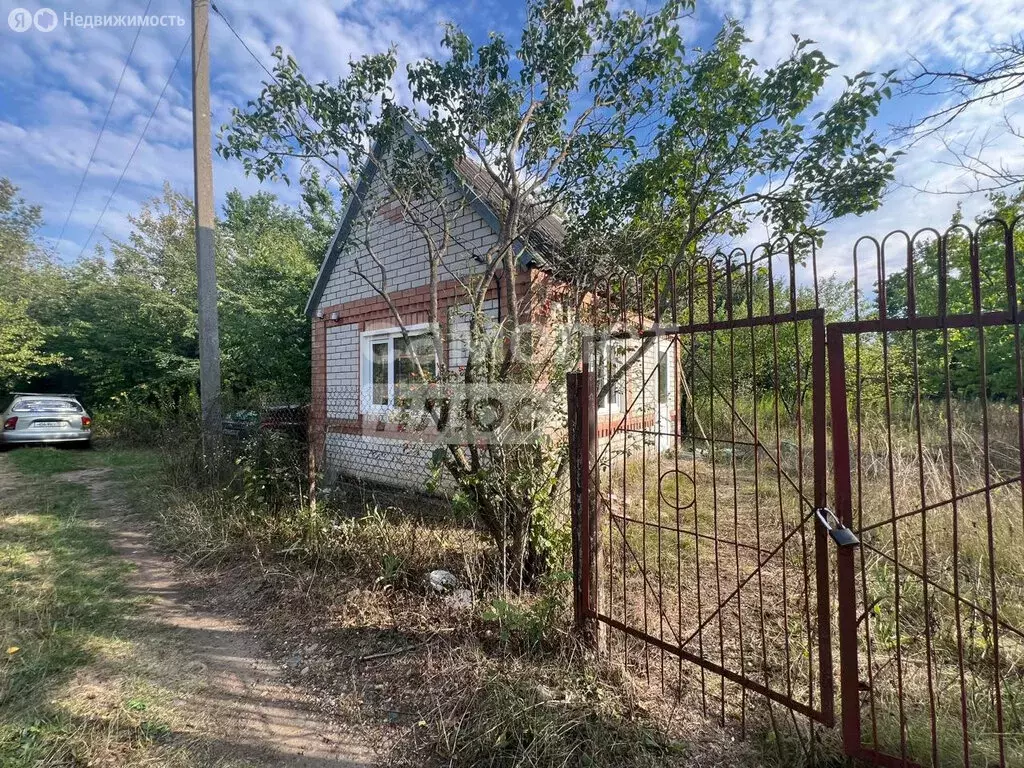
(385,463)
(928,467)
(707,555)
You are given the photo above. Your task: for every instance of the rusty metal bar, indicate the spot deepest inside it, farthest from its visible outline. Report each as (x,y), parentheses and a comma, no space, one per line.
(714,376)
(757,321)
(822,561)
(984,397)
(944,503)
(845,566)
(948,592)
(579,386)
(932,323)
(718,669)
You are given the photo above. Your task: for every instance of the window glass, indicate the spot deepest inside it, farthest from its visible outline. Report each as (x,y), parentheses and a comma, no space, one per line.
(392,363)
(663,378)
(407,352)
(49,405)
(380,372)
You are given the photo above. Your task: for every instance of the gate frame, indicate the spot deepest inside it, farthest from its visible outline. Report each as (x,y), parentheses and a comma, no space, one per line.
(585,539)
(846,566)
(581,402)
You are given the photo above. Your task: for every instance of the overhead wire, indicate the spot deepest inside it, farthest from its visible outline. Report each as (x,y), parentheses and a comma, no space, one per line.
(103,127)
(135,149)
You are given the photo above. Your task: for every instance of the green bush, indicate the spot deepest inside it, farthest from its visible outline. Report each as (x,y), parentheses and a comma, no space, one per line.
(146,417)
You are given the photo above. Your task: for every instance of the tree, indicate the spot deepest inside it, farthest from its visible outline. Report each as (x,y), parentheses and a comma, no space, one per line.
(644,150)
(22,344)
(24,267)
(962,343)
(735,147)
(18,224)
(129,323)
(271,265)
(126,322)
(999,80)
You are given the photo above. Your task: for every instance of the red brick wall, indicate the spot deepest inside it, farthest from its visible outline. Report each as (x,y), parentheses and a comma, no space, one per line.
(318,389)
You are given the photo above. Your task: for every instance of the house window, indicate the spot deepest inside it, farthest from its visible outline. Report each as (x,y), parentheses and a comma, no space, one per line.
(389,365)
(663,378)
(611,355)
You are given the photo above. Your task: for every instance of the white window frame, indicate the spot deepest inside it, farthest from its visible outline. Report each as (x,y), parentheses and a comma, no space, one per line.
(614,400)
(367,340)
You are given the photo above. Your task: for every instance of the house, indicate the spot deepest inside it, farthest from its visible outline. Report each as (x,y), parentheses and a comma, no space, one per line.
(376,279)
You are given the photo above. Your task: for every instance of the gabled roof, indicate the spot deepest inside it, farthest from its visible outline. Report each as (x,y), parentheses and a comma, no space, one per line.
(483,193)
(547,234)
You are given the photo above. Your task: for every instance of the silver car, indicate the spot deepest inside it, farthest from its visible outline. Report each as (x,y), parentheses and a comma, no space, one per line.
(41,419)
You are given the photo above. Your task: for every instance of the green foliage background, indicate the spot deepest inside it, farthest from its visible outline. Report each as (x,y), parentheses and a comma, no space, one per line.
(120,325)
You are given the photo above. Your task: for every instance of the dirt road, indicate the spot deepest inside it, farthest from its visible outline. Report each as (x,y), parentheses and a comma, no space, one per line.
(244,709)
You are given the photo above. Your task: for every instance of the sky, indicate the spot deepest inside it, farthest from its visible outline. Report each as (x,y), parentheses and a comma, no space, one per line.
(58,84)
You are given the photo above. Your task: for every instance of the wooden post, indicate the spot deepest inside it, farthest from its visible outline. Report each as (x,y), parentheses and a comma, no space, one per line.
(206,270)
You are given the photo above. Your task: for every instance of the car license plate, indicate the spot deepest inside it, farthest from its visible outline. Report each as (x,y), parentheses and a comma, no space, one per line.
(48,424)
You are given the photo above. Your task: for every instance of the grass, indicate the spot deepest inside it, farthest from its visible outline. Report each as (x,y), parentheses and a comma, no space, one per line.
(518,713)
(63,605)
(78,680)
(47,461)
(487,702)
(493,684)
(469,685)
(918,642)
(914,646)
(248,515)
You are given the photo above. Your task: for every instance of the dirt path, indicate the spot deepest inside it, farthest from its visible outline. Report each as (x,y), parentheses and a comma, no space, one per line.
(246,706)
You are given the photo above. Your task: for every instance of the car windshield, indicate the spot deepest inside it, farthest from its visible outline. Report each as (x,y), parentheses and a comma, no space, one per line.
(47,404)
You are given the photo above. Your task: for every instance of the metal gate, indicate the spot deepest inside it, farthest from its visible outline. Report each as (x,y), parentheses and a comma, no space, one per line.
(928,461)
(699,433)
(698,430)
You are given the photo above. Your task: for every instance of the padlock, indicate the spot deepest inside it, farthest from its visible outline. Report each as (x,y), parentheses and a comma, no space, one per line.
(841,535)
(844,537)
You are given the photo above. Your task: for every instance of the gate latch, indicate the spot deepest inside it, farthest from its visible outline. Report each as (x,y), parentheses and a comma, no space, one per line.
(841,535)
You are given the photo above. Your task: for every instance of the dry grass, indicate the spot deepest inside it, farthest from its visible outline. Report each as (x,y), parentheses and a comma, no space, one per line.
(381,545)
(678,504)
(341,593)
(433,683)
(669,584)
(84,679)
(500,683)
(973,549)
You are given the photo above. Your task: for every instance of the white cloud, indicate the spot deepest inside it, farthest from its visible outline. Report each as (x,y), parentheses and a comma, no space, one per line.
(877,35)
(60,84)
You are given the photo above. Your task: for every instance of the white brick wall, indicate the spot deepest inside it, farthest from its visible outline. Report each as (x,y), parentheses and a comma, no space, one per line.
(402,250)
(379,460)
(458,330)
(342,371)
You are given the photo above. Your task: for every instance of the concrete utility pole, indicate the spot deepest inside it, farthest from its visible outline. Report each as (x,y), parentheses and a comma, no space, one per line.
(206,269)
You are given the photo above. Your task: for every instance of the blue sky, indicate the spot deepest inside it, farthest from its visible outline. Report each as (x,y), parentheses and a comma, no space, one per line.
(58,85)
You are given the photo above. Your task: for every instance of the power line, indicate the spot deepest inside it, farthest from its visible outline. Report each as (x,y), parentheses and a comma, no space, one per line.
(135,149)
(103,127)
(263,66)
(244,45)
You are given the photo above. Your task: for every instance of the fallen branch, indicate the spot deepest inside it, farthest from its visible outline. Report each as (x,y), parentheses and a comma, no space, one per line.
(385,654)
